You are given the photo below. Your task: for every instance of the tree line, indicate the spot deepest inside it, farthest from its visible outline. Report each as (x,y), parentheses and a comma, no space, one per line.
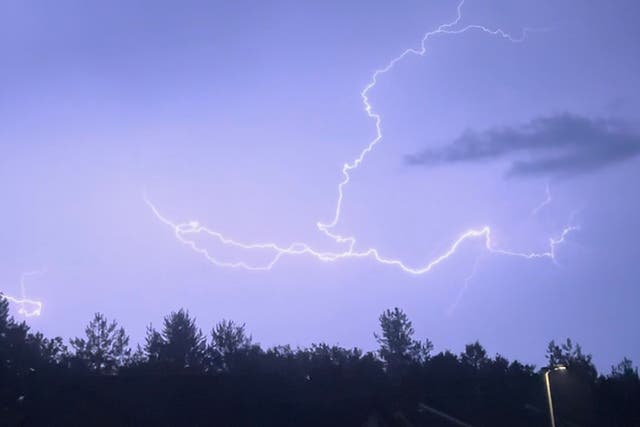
(182,376)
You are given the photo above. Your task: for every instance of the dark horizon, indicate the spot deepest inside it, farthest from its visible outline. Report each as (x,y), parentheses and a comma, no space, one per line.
(182,376)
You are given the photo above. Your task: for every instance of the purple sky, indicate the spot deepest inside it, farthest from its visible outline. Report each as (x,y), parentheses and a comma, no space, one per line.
(241,114)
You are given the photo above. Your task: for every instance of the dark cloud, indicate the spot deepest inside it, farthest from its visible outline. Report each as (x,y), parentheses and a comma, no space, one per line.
(559,145)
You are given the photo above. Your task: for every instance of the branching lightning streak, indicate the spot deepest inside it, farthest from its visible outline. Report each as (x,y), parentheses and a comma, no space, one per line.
(464,288)
(544,203)
(26,307)
(182,231)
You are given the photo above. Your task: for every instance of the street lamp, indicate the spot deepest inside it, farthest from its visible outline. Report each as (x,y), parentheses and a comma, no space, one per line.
(547,371)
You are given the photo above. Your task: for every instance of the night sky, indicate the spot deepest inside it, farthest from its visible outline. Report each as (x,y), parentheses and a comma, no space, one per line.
(240,115)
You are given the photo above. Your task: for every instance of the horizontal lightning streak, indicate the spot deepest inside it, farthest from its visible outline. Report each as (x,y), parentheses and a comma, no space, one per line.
(183,231)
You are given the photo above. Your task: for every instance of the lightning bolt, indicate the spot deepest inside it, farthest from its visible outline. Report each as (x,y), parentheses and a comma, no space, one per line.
(544,203)
(186,230)
(26,307)
(464,288)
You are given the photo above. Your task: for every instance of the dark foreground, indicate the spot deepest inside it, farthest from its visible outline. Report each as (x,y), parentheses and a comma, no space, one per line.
(180,378)
(274,400)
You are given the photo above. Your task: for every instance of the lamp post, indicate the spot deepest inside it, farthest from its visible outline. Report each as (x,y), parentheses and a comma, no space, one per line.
(548,384)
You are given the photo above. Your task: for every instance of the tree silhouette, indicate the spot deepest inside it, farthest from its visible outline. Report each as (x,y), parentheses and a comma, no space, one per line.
(10,340)
(180,345)
(323,384)
(51,351)
(18,350)
(624,371)
(397,346)
(152,346)
(229,344)
(575,391)
(619,394)
(571,356)
(476,356)
(5,320)
(105,347)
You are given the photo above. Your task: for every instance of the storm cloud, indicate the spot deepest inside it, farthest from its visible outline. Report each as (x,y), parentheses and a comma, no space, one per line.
(559,145)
